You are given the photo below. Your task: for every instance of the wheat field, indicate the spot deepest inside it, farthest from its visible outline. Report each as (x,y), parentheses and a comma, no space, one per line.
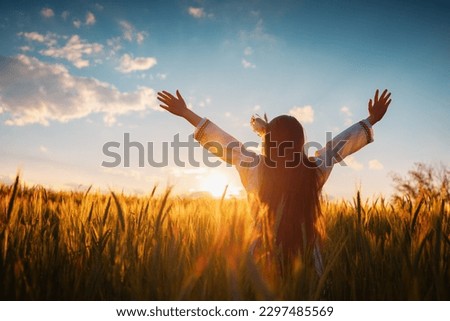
(59,245)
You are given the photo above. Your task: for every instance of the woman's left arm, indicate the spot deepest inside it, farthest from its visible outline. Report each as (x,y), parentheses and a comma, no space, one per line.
(355,137)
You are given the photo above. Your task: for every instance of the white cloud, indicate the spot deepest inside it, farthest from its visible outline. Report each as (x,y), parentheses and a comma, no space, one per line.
(257,34)
(77,23)
(75,51)
(34,36)
(248,51)
(109,119)
(90,18)
(50,39)
(161,76)
(129,64)
(375,165)
(129,33)
(196,12)
(346,111)
(127,30)
(25,48)
(348,114)
(47,12)
(247,64)
(353,163)
(256,107)
(140,36)
(43,149)
(303,114)
(199,13)
(114,44)
(205,102)
(48,92)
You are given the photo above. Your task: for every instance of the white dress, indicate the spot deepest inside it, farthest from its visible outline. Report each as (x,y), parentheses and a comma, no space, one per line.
(247,163)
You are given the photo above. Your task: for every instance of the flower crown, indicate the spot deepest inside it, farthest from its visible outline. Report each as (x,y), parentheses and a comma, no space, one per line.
(259,125)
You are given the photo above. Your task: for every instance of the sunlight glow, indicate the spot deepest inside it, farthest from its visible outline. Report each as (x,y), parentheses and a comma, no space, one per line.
(214,183)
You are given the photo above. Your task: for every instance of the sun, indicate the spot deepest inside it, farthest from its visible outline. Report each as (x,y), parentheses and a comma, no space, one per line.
(214,183)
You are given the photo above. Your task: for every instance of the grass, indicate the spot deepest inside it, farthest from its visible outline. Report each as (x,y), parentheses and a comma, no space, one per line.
(59,245)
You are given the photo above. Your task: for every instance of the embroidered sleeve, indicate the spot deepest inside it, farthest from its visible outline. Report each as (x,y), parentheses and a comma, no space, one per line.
(367,129)
(200,129)
(346,143)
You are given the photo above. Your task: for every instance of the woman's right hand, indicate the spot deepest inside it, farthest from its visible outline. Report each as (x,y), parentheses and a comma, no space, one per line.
(174,105)
(177,106)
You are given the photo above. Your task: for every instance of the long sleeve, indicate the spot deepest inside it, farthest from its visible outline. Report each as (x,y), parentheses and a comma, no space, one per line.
(229,149)
(346,143)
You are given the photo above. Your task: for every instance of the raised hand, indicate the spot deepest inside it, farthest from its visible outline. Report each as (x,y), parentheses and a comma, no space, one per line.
(379,106)
(174,105)
(177,106)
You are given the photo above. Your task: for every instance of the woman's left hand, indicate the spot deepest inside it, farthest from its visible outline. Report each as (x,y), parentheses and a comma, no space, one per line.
(379,106)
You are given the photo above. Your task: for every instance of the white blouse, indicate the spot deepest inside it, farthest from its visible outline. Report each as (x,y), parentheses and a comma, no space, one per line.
(247,163)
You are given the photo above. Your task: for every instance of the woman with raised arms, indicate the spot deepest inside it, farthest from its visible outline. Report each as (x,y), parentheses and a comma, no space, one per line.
(283,177)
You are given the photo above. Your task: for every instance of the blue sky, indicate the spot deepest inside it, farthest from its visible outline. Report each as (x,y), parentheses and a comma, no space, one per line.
(75,75)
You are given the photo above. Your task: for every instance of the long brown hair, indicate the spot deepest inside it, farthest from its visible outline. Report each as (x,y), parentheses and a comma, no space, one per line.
(289,186)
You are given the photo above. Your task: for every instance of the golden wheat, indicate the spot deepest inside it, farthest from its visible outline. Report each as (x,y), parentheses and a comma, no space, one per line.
(93,246)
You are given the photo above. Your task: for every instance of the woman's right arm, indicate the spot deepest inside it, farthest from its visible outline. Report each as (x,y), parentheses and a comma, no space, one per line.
(212,137)
(178,107)
(208,134)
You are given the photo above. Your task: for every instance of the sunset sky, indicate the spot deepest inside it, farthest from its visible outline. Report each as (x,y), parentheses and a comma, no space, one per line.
(75,75)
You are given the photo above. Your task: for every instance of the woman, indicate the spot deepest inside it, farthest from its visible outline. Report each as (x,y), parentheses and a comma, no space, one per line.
(283,177)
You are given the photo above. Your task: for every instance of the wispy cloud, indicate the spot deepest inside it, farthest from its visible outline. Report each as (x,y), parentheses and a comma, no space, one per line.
(348,115)
(33,36)
(303,114)
(75,50)
(375,165)
(50,93)
(47,12)
(199,13)
(90,19)
(248,51)
(114,45)
(77,23)
(247,64)
(127,30)
(140,36)
(65,14)
(129,33)
(257,34)
(205,102)
(346,111)
(129,64)
(25,48)
(196,12)
(353,163)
